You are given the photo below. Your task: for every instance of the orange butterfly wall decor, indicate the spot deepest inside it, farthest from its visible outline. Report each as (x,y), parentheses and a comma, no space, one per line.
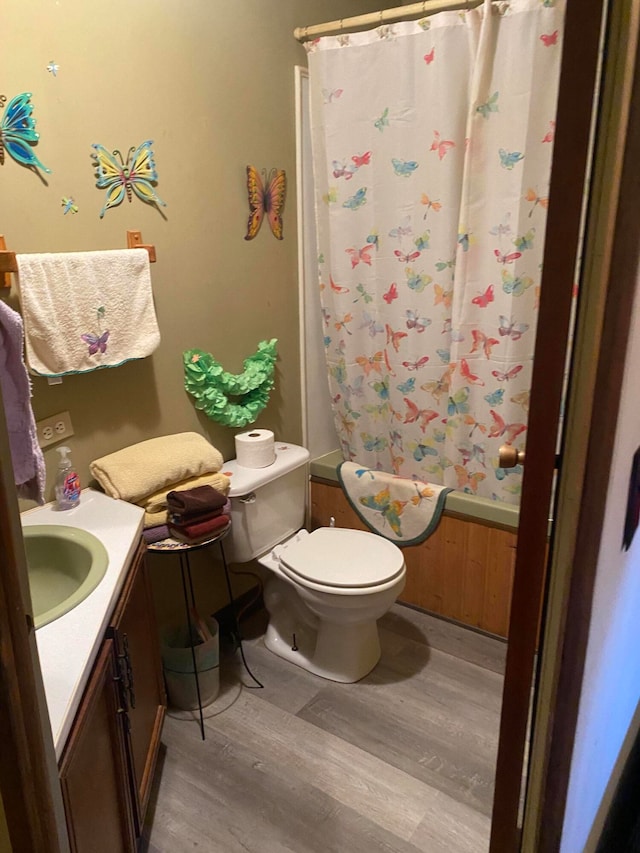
(266,196)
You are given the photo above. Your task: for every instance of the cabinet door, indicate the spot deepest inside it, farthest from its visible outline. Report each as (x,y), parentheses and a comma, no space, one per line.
(135,633)
(93,770)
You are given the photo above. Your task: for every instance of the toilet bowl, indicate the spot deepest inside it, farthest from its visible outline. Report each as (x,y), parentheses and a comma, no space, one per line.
(325,590)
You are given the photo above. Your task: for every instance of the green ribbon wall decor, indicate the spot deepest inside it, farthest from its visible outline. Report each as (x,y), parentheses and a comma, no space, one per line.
(212,386)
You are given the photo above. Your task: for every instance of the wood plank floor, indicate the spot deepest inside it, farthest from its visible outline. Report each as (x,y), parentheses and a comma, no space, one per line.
(402,761)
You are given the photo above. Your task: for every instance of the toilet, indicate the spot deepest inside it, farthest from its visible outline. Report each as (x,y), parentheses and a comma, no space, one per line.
(326,589)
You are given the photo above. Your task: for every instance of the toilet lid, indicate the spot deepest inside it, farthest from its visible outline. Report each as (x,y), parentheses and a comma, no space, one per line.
(335,556)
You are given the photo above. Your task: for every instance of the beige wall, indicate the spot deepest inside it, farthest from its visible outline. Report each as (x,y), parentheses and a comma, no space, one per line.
(212,84)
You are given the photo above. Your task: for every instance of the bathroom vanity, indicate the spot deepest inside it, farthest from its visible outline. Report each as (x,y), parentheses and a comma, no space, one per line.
(103,682)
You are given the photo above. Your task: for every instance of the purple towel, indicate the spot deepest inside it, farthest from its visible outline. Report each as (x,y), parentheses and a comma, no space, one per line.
(28,462)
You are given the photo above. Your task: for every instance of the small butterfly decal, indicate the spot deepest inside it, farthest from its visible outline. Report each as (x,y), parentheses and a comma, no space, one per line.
(122,177)
(465,372)
(391,294)
(342,324)
(458,404)
(394,338)
(420,451)
(522,399)
(416,322)
(416,365)
(490,106)
(508,159)
(331,197)
(97,343)
(442,296)
(495,398)
(341,170)
(415,415)
(436,206)
(417,281)
(508,328)
(422,242)
(406,259)
(69,205)
(357,200)
(500,428)
(503,229)
(533,197)
(549,39)
(364,295)
(515,285)
(402,230)
(525,241)
(330,95)
(371,363)
(360,255)
(373,443)
(337,288)
(360,160)
(383,121)
(506,259)
(505,376)
(442,146)
(18,131)
(481,341)
(550,134)
(404,168)
(483,299)
(429,57)
(468,482)
(53,68)
(370,323)
(391,510)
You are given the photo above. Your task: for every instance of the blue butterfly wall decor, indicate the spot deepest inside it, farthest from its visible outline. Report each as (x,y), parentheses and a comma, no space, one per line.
(18,131)
(120,177)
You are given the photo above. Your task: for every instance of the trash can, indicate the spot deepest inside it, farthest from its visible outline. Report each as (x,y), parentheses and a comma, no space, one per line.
(177,663)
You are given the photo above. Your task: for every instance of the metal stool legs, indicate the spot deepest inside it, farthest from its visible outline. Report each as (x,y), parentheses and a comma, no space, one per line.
(185,570)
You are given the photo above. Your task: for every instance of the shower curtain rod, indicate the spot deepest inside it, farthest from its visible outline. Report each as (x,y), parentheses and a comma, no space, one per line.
(399,13)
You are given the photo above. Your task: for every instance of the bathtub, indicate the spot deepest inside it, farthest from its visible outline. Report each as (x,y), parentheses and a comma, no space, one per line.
(463,571)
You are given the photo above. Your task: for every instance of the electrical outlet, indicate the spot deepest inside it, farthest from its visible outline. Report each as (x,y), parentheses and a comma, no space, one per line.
(54,429)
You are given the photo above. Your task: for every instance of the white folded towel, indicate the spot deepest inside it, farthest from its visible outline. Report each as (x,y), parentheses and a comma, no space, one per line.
(85,310)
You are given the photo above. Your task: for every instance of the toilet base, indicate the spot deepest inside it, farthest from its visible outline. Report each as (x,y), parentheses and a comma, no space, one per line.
(336,651)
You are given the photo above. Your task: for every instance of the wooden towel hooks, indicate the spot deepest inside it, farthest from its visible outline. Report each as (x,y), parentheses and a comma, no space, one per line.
(9,264)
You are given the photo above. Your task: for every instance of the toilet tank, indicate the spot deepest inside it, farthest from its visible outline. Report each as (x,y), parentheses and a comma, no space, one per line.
(267,504)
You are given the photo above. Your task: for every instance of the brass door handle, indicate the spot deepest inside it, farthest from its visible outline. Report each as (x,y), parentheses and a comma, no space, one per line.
(509,457)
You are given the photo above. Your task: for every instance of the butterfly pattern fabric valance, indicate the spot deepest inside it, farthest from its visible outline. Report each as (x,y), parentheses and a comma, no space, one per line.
(432,173)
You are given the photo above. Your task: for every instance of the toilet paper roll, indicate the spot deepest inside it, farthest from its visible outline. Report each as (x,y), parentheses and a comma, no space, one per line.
(256,448)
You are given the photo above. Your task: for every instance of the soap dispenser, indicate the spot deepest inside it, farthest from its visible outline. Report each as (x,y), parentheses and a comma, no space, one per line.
(67,481)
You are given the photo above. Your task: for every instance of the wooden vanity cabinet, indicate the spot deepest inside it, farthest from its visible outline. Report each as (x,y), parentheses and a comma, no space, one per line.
(108,763)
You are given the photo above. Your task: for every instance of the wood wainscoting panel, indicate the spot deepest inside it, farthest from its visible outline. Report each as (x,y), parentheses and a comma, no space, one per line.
(463,571)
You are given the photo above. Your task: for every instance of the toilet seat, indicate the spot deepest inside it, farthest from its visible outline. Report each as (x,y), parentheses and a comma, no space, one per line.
(342,559)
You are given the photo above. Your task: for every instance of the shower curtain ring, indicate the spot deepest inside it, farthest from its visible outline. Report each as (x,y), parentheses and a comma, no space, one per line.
(341,24)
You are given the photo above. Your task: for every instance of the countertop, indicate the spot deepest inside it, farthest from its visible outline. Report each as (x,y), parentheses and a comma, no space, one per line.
(68,646)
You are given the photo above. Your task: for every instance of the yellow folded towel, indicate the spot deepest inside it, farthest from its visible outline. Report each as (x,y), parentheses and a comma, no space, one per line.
(134,472)
(153,519)
(158,500)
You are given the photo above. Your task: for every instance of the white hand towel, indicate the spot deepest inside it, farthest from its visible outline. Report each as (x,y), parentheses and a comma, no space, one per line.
(85,310)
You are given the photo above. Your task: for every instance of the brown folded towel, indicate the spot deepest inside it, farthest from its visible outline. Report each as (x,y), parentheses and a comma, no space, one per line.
(190,503)
(196,533)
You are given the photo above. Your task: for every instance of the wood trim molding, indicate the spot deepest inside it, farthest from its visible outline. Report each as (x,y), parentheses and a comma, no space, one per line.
(611,263)
(28,765)
(568,176)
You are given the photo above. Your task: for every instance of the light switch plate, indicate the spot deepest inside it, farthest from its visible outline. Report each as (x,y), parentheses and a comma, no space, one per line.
(56,428)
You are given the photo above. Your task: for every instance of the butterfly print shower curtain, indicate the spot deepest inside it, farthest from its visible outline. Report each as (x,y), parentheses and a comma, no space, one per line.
(432,144)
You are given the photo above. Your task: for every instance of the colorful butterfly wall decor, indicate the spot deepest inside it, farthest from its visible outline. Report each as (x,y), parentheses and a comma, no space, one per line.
(266,197)
(18,131)
(122,177)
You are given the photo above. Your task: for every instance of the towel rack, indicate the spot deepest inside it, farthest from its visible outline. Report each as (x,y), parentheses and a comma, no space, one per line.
(134,241)
(9,264)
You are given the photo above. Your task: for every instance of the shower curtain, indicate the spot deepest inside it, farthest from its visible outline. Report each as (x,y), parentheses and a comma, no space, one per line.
(432,145)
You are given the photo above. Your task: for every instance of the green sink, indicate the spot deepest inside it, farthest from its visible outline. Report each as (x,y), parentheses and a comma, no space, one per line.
(65,564)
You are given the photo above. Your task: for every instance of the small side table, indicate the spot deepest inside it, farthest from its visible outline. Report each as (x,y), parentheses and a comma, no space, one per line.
(183,550)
